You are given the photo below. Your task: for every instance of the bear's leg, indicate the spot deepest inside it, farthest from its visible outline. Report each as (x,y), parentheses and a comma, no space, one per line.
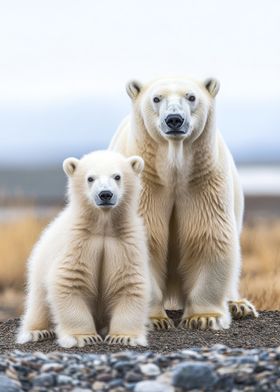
(205,286)
(128,321)
(74,323)
(157,315)
(158,244)
(36,321)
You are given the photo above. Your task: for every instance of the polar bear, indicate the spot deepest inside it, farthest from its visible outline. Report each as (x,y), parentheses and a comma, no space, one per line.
(191,200)
(89,270)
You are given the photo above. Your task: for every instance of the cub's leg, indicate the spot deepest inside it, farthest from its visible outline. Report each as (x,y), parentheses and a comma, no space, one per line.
(35,325)
(128,322)
(157,215)
(74,323)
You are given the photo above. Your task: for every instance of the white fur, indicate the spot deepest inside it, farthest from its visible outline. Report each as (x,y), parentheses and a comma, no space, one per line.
(191,199)
(89,270)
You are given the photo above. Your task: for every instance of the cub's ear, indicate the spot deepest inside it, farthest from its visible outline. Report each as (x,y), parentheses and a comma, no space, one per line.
(212,85)
(70,165)
(133,88)
(137,164)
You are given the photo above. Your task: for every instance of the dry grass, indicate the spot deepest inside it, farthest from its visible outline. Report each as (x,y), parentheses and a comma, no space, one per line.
(16,241)
(260,274)
(260,279)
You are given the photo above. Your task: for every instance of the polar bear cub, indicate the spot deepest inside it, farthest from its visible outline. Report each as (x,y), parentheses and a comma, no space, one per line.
(89,270)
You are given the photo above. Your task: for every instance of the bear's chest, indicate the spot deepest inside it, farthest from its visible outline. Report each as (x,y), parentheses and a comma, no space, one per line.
(172,166)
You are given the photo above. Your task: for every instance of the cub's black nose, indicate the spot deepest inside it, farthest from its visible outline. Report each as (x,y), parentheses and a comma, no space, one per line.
(174,121)
(105,195)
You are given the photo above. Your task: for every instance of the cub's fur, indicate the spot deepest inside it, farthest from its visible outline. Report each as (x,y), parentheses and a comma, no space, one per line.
(89,271)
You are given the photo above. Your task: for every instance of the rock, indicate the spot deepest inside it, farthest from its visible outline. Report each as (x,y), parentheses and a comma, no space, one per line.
(191,375)
(45,380)
(191,354)
(149,369)
(62,379)
(104,377)
(7,385)
(153,386)
(98,386)
(52,366)
(118,382)
(132,376)
(123,366)
(219,347)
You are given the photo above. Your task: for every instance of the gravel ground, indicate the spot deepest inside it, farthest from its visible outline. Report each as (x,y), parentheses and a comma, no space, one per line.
(247,333)
(215,369)
(176,361)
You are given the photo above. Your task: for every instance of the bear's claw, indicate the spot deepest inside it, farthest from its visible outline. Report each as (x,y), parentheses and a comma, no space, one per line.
(203,321)
(35,336)
(69,341)
(161,323)
(126,340)
(242,308)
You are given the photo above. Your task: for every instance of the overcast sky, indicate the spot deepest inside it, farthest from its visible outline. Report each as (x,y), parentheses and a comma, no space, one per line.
(57,55)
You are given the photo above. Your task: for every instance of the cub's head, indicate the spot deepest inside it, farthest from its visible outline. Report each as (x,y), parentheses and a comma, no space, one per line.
(103,179)
(173,109)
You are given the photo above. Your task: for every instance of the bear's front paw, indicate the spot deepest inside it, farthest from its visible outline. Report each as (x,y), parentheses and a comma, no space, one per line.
(242,308)
(126,340)
(68,341)
(160,323)
(202,321)
(35,336)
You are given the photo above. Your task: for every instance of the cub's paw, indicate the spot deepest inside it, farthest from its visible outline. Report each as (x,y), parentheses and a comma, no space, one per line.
(160,323)
(126,340)
(68,341)
(202,321)
(242,308)
(35,336)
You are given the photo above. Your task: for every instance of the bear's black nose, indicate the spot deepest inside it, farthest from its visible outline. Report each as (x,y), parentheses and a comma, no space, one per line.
(174,121)
(105,195)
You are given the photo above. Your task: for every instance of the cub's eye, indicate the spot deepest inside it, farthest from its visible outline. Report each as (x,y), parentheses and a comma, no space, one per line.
(90,179)
(156,99)
(191,98)
(117,177)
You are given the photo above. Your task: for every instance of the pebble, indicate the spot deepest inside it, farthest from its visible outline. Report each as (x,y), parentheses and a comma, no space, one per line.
(44,380)
(150,369)
(98,386)
(61,379)
(194,375)
(51,367)
(7,385)
(216,368)
(153,386)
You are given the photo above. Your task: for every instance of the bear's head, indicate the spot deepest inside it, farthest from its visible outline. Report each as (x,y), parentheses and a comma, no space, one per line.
(103,179)
(173,109)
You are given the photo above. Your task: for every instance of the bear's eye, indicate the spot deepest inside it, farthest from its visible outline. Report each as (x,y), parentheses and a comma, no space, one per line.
(191,98)
(156,99)
(117,177)
(90,179)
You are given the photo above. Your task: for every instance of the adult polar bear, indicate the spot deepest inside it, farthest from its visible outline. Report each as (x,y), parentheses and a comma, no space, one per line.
(191,200)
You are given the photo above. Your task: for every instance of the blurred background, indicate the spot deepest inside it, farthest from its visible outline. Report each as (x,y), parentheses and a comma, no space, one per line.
(63,69)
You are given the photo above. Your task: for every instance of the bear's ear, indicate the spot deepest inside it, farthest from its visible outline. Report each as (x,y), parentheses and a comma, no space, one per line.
(212,85)
(70,165)
(137,164)
(133,88)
